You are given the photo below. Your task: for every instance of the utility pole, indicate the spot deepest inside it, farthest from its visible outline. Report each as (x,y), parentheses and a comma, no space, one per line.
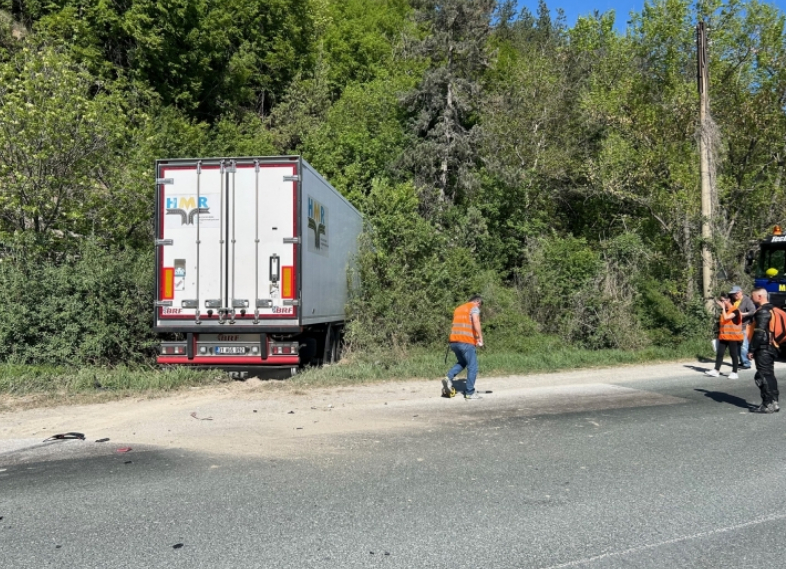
(704,151)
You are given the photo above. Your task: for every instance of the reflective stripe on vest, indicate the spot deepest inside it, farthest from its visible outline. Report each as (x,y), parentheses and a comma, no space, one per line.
(730,331)
(462,325)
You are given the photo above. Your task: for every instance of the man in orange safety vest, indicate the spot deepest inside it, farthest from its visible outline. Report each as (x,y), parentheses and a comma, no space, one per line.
(465,335)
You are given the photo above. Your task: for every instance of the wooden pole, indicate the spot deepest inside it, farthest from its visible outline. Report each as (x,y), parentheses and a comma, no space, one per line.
(704,152)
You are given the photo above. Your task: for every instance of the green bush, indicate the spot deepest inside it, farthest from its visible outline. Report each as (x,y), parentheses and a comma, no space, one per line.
(93,305)
(667,322)
(585,294)
(411,273)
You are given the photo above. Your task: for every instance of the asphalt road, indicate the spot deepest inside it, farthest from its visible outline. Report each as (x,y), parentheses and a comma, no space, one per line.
(695,482)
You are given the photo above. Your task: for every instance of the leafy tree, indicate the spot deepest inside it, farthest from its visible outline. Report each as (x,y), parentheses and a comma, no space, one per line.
(360,38)
(748,92)
(643,101)
(60,130)
(302,110)
(203,56)
(362,136)
(528,146)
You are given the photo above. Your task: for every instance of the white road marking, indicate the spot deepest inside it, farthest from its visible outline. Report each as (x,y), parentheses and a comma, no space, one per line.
(637,549)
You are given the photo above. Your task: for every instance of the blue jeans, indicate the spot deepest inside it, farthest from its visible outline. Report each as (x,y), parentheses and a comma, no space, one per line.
(744,361)
(467,358)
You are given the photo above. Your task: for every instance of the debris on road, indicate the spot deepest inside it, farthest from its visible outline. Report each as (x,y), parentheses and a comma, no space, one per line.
(65,436)
(102,440)
(194,415)
(124,449)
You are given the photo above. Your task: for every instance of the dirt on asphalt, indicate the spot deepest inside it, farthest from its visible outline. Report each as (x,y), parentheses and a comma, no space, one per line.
(264,418)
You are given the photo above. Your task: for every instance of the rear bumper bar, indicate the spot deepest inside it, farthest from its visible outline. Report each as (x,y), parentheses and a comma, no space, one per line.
(244,361)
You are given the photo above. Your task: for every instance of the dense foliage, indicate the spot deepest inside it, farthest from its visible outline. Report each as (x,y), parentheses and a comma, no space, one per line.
(553,169)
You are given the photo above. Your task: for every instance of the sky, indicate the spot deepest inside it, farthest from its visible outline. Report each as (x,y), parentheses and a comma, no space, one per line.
(622,8)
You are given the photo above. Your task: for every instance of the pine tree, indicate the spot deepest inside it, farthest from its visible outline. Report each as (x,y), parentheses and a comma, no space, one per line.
(443,107)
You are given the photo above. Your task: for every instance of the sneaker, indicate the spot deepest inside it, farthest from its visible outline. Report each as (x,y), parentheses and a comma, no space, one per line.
(733,375)
(764,409)
(775,406)
(746,367)
(447,388)
(472,396)
(712,373)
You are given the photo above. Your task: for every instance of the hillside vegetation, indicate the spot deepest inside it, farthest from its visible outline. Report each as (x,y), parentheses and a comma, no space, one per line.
(553,169)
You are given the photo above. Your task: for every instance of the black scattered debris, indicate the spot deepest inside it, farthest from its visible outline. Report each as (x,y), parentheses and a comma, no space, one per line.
(177,546)
(1,518)
(65,436)
(371,553)
(102,440)
(194,415)
(299,429)
(58,546)
(128,462)
(291,413)
(255,410)
(414,415)
(313,407)
(387,553)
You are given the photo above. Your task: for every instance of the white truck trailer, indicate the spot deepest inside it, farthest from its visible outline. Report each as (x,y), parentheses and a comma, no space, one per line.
(251,263)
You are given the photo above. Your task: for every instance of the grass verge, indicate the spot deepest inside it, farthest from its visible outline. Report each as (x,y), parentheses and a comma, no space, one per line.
(57,385)
(545,358)
(61,384)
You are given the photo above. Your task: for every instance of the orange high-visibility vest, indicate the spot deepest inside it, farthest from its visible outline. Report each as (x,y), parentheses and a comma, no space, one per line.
(462,325)
(731,330)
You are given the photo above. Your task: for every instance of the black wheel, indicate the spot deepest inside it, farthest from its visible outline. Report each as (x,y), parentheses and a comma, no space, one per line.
(308,352)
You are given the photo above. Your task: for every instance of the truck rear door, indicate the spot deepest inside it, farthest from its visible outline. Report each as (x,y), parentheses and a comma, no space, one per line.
(227,243)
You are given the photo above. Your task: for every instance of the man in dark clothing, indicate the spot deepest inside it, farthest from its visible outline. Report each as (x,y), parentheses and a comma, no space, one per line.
(762,350)
(744,304)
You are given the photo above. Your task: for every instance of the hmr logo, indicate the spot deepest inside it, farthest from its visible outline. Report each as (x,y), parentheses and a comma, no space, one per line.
(320,211)
(317,221)
(186,208)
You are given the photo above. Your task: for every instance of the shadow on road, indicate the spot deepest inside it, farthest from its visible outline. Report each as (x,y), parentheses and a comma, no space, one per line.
(703,369)
(721,397)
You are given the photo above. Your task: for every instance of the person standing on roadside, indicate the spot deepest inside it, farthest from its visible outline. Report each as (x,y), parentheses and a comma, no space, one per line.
(746,307)
(764,353)
(465,335)
(729,334)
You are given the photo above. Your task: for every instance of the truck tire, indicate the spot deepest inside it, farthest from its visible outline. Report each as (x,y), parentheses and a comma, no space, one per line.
(308,352)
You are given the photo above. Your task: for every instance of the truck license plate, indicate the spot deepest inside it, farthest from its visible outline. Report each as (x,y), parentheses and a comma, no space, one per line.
(230,349)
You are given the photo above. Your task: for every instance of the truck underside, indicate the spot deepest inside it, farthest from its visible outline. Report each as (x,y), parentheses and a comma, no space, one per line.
(263,354)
